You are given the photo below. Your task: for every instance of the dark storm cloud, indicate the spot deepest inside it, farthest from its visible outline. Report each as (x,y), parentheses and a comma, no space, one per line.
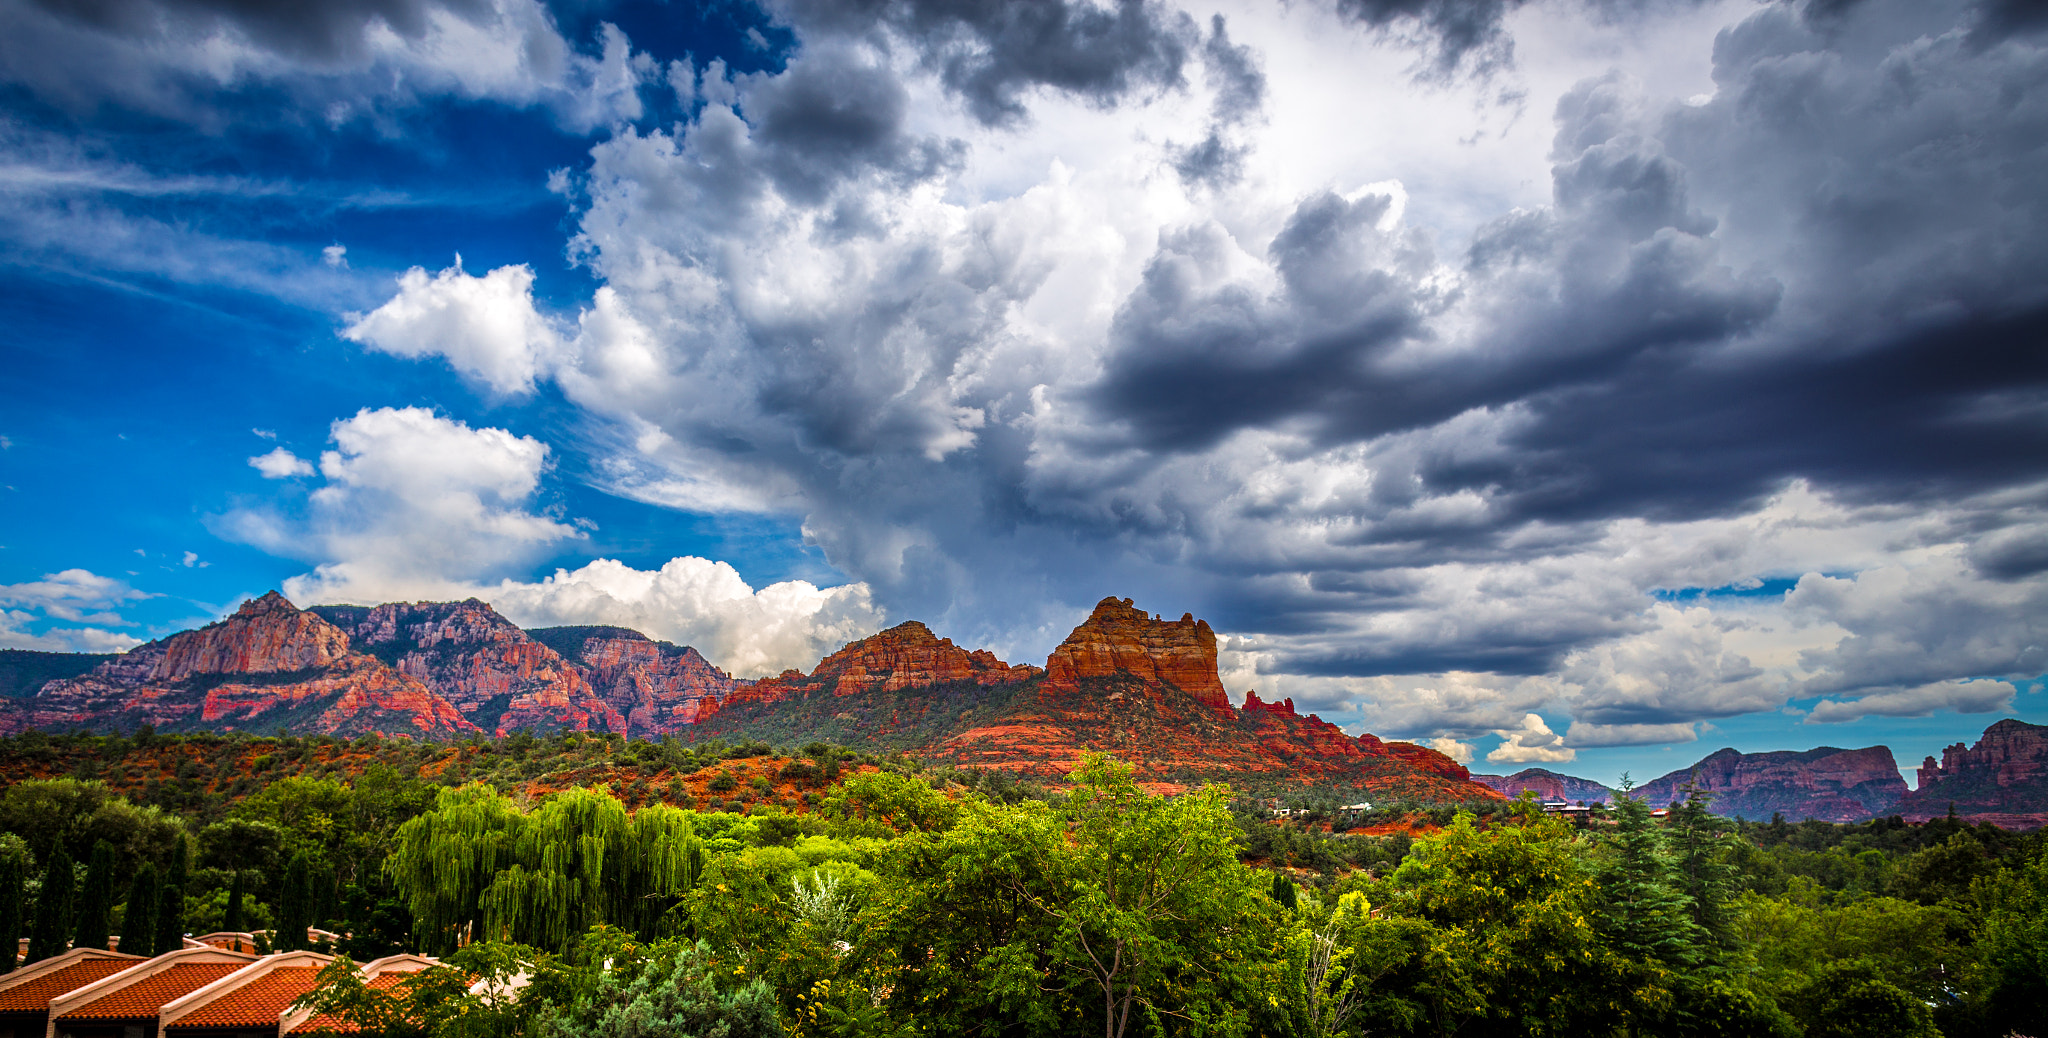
(1240,97)
(832,115)
(320,30)
(1452,33)
(992,53)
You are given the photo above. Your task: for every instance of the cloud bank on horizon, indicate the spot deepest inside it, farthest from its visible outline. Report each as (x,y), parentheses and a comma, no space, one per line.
(1564,373)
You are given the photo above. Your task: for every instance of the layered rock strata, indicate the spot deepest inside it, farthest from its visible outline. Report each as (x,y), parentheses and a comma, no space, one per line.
(2003,779)
(1547,785)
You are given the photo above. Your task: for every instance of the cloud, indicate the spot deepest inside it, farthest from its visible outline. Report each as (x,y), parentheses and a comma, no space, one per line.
(1980,696)
(1506,415)
(281,463)
(178,58)
(73,594)
(1532,742)
(1462,752)
(702,603)
(412,504)
(77,595)
(415,505)
(486,327)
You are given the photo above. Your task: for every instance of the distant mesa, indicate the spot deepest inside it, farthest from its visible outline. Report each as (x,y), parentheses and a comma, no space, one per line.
(1828,784)
(1547,785)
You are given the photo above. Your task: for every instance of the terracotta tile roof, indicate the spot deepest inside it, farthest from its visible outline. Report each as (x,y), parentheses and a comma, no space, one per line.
(255,1004)
(146,996)
(35,996)
(335,1024)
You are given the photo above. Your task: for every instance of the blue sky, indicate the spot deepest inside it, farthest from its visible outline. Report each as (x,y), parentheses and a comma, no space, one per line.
(1568,384)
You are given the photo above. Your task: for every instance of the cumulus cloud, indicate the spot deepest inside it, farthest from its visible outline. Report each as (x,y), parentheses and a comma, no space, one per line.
(1964,697)
(1531,742)
(699,602)
(486,327)
(416,505)
(281,463)
(412,504)
(1462,752)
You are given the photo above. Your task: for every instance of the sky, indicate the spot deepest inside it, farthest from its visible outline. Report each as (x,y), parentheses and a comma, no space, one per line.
(1578,384)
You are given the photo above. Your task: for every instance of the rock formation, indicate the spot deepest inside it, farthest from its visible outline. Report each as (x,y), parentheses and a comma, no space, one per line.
(2003,779)
(1547,785)
(1829,784)
(270,665)
(1119,642)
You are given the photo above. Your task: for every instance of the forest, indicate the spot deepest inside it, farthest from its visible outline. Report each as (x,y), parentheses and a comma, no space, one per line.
(748,890)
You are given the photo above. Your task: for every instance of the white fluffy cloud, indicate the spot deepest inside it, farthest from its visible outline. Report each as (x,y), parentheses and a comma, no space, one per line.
(1531,742)
(486,326)
(281,464)
(411,504)
(415,505)
(699,602)
(1964,697)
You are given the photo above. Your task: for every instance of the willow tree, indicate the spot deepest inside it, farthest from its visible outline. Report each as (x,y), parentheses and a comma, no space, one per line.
(443,860)
(476,864)
(138,921)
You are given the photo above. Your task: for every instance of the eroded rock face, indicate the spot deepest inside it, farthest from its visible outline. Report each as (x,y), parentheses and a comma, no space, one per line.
(1547,785)
(2003,779)
(906,656)
(657,686)
(1119,641)
(269,665)
(1829,784)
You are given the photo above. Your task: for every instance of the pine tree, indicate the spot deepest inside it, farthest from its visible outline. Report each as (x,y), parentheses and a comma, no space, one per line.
(138,924)
(53,908)
(231,921)
(1283,891)
(1700,848)
(96,899)
(10,911)
(1645,915)
(170,914)
(294,905)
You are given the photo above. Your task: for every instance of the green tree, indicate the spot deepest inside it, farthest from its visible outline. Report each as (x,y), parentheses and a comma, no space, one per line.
(170,918)
(443,860)
(1704,853)
(295,903)
(680,992)
(232,921)
(474,993)
(11,909)
(1123,906)
(1852,999)
(2011,908)
(1515,949)
(95,910)
(49,936)
(138,920)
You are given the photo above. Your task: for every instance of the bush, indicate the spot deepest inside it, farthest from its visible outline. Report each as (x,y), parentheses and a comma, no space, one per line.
(724,782)
(677,995)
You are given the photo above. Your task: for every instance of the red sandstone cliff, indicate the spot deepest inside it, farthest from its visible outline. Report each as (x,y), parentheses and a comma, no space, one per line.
(268,665)
(1120,641)
(1829,784)
(2003,779)
(1547,785)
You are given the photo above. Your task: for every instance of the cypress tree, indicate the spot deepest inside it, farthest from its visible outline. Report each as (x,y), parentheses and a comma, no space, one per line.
(138,924)
(10,911)
(170,899)
(232,921)
(53,907)
(96,899)
(294,905)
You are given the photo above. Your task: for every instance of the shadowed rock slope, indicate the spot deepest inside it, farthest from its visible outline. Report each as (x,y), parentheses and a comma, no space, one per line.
(1828,784)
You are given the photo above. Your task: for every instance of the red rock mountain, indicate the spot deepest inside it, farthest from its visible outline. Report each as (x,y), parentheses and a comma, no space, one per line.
(2003,779)
(1123,682)
(1829,784)
(269,665)
(1547,785)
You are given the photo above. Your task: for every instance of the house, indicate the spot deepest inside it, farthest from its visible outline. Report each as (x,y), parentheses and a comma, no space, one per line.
(125,1005)
(25,994)
(382,973)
